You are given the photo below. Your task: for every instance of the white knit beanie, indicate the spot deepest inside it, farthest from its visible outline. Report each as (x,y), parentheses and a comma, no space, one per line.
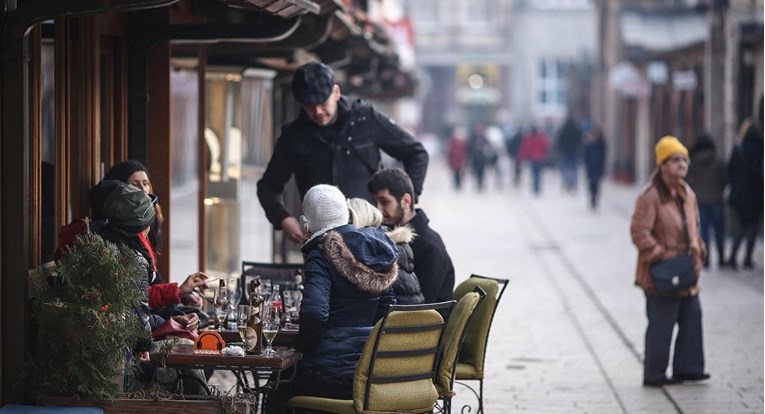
(324,208)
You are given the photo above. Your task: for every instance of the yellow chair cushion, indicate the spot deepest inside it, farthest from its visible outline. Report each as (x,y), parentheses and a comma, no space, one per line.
(474,346)
(467,371)
(452,341)
(322,404)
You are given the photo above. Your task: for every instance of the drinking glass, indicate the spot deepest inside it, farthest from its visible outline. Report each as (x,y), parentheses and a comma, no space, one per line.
(234,294)
(242,316)
(220,302)
(271,321)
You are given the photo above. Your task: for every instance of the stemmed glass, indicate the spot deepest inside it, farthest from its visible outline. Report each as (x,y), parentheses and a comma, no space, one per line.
(271,321)
(234,295)
(242,316)
(220,302)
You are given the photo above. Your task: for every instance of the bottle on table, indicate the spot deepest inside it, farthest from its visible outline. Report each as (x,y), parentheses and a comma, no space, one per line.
(221,304)
(253,336)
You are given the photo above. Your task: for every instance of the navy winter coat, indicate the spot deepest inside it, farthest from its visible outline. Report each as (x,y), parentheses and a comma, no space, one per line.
(348,277)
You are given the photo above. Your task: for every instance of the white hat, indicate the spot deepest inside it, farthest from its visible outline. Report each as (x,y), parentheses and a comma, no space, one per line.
(324,208)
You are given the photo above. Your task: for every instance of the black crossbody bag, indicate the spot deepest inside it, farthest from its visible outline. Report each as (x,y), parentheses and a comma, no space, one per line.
(677,273)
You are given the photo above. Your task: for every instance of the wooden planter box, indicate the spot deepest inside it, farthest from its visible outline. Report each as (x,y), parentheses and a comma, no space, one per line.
(129,406)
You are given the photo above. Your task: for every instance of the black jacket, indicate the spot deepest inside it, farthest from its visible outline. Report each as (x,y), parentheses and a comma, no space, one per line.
(344,154)
(432,263)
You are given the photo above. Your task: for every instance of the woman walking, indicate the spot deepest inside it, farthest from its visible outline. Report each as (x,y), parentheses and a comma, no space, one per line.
(665,224)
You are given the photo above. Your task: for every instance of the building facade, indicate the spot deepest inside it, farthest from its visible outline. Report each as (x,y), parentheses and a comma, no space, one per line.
(501,61)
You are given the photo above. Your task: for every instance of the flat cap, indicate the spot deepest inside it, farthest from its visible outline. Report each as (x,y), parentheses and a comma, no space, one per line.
(312,83)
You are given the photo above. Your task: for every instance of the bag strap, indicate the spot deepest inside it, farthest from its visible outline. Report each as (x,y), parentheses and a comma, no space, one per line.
(681,204)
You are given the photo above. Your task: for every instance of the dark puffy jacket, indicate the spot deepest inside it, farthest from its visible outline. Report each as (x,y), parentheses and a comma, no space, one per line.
(147,319)
(348,277)
(344,154)
(406,287)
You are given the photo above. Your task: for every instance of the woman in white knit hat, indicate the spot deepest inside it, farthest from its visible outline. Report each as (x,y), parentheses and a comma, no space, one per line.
(348,277)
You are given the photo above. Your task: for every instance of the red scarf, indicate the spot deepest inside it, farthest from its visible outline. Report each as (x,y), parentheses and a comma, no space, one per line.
(145,242)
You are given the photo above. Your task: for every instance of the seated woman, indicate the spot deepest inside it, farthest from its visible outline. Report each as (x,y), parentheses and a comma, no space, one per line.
(130,212)
(407,286)
(349,273)
(162,296)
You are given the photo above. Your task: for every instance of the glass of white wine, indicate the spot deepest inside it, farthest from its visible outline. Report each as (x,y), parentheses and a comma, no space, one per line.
(243,314)
(271,322)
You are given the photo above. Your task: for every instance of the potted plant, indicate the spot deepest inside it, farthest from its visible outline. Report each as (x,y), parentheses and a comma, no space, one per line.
(86,320)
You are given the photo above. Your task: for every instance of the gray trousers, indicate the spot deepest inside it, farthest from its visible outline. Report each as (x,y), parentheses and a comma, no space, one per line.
(663,313)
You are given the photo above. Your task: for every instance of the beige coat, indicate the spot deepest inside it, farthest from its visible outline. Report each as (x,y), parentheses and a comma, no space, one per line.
(657,232)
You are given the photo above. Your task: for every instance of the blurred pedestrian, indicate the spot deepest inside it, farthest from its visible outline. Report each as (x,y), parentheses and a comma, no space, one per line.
(746,192)
(664,225)
(708,176)
(334,140)
(513,144)
(594,162)
(534,148)
(457,154)
(482,154)
(568,145)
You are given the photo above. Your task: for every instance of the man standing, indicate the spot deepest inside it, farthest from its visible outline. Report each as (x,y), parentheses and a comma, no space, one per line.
(333,141)
(393,193)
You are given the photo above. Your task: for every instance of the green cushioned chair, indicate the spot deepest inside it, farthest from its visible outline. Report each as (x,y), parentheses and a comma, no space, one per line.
(396,368)
(454,334)
(472,355)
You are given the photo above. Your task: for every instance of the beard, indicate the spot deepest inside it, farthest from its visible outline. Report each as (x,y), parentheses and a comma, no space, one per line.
(396,219)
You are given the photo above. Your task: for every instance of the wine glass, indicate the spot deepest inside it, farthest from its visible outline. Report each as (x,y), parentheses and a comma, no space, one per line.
(271,321)
(234,295)
(242,316)
(220,302)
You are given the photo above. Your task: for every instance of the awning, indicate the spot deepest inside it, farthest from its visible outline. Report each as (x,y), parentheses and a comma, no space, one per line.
(655,32)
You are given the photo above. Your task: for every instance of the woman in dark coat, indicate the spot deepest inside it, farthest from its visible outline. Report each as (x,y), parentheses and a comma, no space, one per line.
(594,162)
(349,274)
(746,192)
(708,177)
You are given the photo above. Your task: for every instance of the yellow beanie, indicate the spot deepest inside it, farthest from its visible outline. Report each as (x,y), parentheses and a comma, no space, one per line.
(667,146)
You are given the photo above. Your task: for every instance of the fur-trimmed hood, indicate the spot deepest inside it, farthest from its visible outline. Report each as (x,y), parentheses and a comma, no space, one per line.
(402,234)
(365,257)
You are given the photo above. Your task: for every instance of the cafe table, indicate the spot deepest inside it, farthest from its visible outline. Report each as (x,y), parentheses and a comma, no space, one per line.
(271,371)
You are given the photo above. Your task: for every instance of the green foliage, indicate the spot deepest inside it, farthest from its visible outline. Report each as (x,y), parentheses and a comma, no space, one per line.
(87,320)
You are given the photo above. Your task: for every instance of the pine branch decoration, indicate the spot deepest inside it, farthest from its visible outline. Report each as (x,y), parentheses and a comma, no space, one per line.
(87,320)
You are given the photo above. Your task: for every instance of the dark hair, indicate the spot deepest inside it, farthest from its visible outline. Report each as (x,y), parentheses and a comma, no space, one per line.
(704,142)
(395,180)
(124,169)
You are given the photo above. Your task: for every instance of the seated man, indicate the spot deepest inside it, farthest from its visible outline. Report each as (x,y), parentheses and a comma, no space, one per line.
(393,192)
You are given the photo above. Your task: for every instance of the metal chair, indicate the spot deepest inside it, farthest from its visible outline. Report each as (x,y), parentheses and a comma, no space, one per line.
(454,334)
(396,368)
(470,364)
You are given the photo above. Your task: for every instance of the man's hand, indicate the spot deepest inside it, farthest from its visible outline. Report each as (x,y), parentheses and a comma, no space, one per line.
(190,321)
(292,229)
(196,280)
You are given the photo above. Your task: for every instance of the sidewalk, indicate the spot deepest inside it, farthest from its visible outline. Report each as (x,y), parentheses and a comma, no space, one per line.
(568,335)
